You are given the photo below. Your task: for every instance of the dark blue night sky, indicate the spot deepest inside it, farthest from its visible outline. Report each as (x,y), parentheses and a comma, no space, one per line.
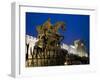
(77,26)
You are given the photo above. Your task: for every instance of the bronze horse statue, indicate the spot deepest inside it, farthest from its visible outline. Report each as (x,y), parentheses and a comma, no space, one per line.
(48,35)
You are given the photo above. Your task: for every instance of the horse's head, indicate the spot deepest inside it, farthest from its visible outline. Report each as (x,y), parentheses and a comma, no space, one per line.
(59,25)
